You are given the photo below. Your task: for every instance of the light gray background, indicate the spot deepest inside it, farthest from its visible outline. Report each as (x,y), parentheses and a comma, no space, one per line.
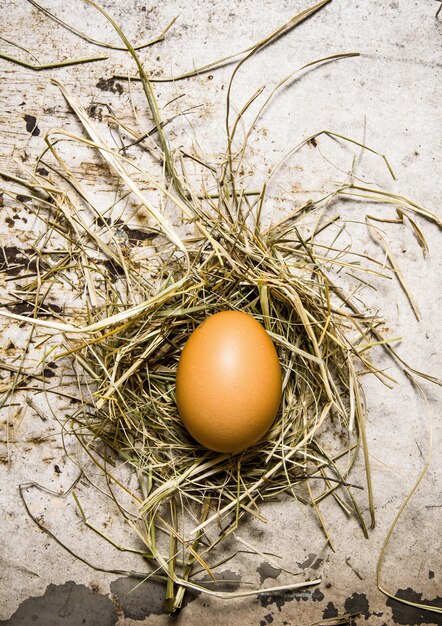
(392,94)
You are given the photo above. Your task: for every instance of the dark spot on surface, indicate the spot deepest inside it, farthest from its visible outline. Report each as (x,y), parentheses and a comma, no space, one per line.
(330,611)
(265,570)
(18,259)
(299,595)
(102,221)
(134,234)
(317,595)
(269,599)
(51,309)
(95,111)
(10,222)
(48,371)
(28,308)
(110,84)
(1,201)
(42,171)
(225,581)
(113,269)
(38,439)
(312,561)
(65,605)
(57,469)
(31,125)
(430,574)
(357,603)
(139,599)
(54,308)
(21,308)
(405,614)
(22,198)
(313,142)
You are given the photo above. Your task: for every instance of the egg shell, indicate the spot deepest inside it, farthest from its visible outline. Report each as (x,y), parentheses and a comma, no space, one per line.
(228,384)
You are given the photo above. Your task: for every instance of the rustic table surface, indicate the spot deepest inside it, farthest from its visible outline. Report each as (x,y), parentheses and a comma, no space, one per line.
(390,96)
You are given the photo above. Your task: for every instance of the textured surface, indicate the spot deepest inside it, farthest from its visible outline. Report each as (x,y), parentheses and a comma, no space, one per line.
(392,94)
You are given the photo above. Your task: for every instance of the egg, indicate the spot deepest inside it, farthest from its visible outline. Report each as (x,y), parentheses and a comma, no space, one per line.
(228,383)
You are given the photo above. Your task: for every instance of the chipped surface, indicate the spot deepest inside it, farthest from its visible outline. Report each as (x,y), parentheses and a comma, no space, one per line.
(394,89)
(70,604)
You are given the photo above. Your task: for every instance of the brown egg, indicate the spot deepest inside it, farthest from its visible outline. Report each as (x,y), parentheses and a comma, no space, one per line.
(228,384)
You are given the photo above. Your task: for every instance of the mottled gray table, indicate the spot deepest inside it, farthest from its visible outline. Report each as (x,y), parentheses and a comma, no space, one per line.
(391,95)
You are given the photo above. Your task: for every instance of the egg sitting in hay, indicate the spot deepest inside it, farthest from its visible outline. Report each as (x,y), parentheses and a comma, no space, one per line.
(228,386)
